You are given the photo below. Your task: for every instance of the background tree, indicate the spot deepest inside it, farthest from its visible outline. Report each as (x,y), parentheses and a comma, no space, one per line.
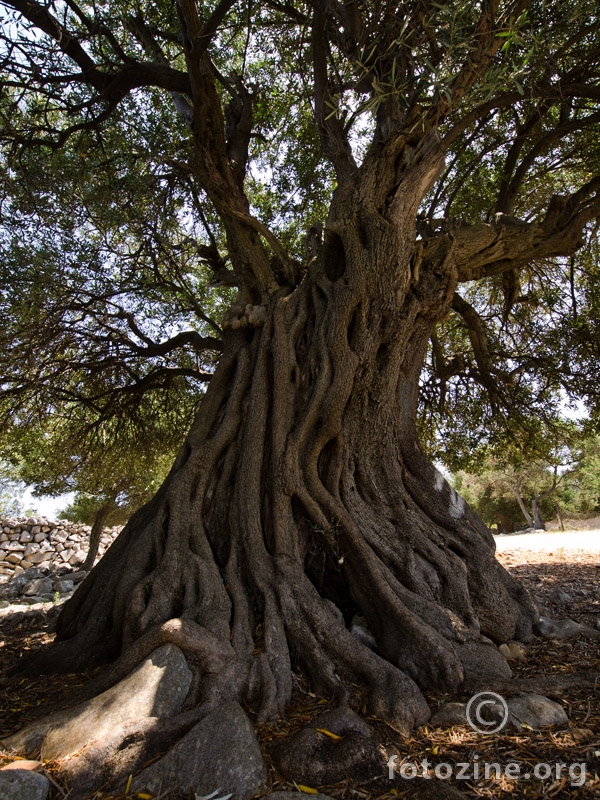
(302,479)
(112,469)
(11,490)
(581,495)
(511,490)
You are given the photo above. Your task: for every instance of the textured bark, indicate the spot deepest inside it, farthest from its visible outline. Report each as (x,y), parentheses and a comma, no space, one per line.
(96,532)
(522,506)
(538,522)
(301,485)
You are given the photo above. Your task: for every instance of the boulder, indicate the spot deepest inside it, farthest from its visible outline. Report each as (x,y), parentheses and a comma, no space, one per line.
(449,714)
(63,586)
(13,588)
(336,746)
(535,711)
(36,587)
(39,558)
(77,558)
(563,629)
(220,754)
(22,784)
(157,688)
(558,596)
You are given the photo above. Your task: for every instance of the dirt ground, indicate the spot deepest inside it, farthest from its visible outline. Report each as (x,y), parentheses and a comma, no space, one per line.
(568,561)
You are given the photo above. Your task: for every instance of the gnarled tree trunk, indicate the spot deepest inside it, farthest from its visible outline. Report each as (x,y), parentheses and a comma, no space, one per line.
(302,486)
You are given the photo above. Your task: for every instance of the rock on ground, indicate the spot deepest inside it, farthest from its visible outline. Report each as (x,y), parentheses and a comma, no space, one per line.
(336,746)
(220,754)
(21,784)
(448,715)
(512,652)
(524,710)
(558,596)
(535,711)
(157,688)
(563,629)
(296,796)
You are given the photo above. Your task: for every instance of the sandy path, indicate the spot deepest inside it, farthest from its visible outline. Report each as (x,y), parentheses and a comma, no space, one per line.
(548,541)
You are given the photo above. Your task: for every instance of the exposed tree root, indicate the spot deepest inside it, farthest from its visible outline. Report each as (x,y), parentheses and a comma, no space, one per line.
(539,685)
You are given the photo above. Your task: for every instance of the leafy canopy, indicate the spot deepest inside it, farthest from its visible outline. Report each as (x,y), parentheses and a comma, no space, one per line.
(144,143)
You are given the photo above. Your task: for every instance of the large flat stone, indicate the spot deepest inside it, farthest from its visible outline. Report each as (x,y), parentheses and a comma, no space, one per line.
(220,753)
(564,629)
(157,688)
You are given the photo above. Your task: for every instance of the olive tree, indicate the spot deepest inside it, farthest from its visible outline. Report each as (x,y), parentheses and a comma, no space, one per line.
(353,170)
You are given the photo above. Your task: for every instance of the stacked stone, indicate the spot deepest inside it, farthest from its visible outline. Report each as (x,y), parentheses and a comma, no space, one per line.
(39,542)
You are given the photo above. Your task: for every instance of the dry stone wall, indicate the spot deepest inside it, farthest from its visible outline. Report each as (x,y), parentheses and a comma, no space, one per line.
(39,542)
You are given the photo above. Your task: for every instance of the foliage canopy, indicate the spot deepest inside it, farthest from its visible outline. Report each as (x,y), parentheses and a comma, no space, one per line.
(112,234)
(320,210)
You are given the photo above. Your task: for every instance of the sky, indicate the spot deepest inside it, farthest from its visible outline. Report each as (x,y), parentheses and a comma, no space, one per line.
(48,507)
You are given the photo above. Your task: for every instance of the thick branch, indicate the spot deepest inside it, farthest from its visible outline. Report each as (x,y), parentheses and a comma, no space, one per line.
(144,35)
(198,342)
(109,85)
(509,244)
(213,165)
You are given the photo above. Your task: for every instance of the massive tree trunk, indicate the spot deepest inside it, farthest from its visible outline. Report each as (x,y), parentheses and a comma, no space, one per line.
(302,492)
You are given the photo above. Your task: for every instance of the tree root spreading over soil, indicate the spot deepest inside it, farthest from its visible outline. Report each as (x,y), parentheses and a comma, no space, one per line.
(577,574)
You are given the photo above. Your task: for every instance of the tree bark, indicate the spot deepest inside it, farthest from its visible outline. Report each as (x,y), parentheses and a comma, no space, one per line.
(302,497)
(538,522)
(522,506)
(96,532)
(559,516)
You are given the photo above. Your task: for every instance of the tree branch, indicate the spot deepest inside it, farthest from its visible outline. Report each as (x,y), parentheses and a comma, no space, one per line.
(541,145)
(211,26)
(331,129)
(508,244)
(478,339)
(193,338)
(110,85)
